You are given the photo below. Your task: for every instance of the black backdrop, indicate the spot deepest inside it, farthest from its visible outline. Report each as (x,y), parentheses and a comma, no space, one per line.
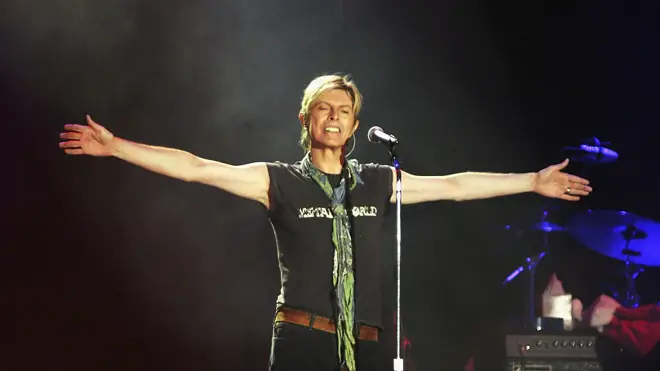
(107,266)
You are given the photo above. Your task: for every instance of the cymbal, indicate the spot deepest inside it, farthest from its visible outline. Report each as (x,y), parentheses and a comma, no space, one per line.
(609,232)
(546,227)
(540,227)
(591,152)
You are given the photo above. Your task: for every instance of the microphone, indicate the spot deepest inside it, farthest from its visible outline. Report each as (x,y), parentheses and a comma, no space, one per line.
(377,135)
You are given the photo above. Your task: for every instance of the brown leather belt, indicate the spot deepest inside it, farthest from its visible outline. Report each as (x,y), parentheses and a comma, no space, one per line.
(302,318)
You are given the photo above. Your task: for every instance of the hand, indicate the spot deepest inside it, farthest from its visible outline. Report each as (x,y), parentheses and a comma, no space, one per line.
(600,317)
(605,301)
(552,182)
(576,309)
(601,312)
(555,286)
(93,140)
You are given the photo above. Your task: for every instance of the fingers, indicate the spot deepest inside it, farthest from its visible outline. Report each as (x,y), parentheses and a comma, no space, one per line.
(553,280)
(576,309)
(579,192)
(562,165)
(581,189)
(82,128)
(579,186)
(92,123)
(71,135)
(70,144)
(75,127)
(555,286)
(72,147)
(570,197)
(577,179)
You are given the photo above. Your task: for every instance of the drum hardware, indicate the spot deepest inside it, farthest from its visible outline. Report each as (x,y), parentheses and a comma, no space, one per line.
(623,236)
(530,265)
(620,235)
(632,270)
(591,152)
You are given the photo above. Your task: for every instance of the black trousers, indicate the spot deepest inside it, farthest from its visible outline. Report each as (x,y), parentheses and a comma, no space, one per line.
(298,348)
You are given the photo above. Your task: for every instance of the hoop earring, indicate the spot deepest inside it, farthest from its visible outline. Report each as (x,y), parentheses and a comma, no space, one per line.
(352,148)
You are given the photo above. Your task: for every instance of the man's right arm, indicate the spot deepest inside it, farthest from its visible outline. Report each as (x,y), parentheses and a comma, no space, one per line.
(639,336)
(249,181)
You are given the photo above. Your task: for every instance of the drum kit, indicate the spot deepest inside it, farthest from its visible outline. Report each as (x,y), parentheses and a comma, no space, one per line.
(629,238)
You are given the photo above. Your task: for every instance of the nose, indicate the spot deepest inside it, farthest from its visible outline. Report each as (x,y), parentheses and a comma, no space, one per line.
(333,114)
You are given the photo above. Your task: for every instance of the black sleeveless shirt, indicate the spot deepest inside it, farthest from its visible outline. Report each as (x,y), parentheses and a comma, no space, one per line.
(302,220)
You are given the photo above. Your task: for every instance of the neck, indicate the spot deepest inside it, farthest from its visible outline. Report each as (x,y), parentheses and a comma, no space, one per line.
(328,160)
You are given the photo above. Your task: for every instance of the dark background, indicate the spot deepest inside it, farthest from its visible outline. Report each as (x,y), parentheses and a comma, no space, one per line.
(106,266)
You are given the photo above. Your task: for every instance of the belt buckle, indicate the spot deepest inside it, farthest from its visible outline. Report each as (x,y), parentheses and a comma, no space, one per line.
(312,318)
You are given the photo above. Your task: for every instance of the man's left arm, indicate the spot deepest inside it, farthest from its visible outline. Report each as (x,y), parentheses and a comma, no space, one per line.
(549,182)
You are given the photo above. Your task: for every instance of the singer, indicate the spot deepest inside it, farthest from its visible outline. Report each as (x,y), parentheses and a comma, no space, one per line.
(327,212)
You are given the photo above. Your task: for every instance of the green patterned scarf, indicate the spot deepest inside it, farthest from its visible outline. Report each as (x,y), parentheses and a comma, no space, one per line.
(342,274)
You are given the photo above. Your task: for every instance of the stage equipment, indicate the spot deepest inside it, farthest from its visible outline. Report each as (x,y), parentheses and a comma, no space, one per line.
(620,235)
(531,263)
(591,152)
(377,135)
(548,352)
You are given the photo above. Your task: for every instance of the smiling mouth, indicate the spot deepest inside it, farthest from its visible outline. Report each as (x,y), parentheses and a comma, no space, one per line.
(330,129)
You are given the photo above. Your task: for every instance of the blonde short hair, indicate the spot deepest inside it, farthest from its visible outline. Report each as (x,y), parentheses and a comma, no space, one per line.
(319,86)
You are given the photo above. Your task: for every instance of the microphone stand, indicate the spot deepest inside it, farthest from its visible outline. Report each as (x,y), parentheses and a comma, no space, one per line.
(398,361)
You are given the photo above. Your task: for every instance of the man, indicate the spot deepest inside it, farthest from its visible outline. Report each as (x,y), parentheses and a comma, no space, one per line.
(636,330)
(327,212)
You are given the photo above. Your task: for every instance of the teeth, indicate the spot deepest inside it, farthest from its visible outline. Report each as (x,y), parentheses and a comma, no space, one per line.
(332,130)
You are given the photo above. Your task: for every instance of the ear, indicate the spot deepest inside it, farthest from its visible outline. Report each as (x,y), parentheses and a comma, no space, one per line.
(301,117)
(355,126)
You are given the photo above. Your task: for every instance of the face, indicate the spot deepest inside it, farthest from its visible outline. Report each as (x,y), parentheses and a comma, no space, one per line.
(331,119)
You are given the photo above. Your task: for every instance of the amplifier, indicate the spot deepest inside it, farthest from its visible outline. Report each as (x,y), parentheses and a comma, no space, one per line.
(553,365)
(551,346)
(551,352)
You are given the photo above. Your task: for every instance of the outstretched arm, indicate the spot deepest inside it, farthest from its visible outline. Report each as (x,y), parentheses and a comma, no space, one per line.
(549,182)
(248,181)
